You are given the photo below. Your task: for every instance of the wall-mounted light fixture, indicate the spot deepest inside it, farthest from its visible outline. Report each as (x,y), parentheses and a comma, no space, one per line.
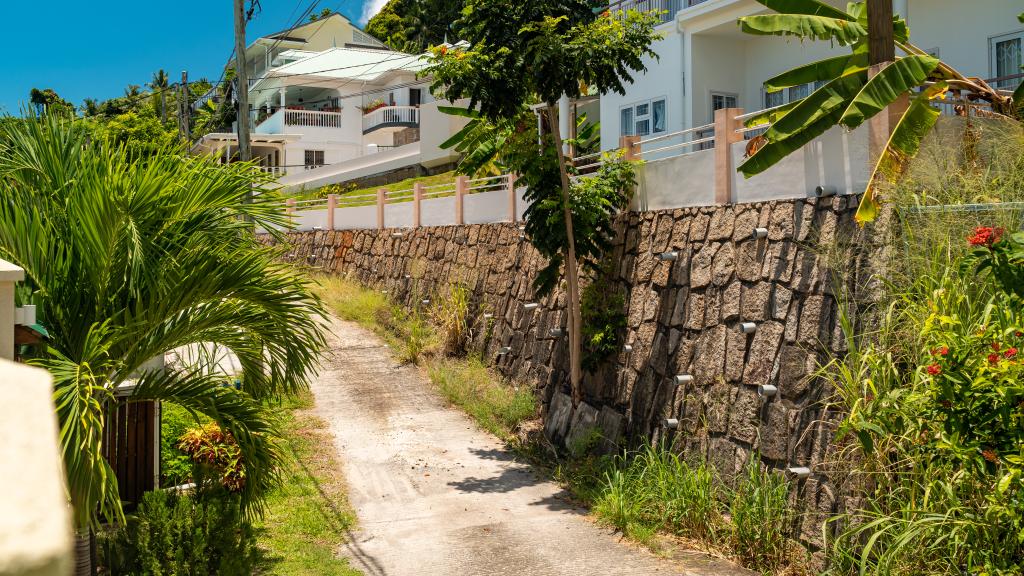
(408,277)
(504,350)
(759,233)
(748,327)
(671,423)
(488,315)
(767,390)
(531,306)
(800,472)
(627,348)
(556,332)
(397,234)
(315,228)
(425,301)
(683,379)
(824,191)
(383,291)
(670,255)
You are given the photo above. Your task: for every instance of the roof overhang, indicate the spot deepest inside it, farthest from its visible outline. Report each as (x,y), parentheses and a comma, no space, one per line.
(216,140)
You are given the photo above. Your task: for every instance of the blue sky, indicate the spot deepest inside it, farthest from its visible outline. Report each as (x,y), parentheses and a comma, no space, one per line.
(93,49)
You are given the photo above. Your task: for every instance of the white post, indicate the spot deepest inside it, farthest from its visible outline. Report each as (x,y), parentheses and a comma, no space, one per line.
(283,89)
(564,117)
(9,275)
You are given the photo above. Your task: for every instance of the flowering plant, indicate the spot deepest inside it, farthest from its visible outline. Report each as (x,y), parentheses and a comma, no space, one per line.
(214,449)
(999,255)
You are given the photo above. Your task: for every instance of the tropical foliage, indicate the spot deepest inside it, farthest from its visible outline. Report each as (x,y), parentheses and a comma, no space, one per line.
(523,52)
(848,97)
(415,25)
(129,258)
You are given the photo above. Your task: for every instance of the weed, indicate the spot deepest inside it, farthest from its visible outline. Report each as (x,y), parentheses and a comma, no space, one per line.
(450,315)
(760,516)
(468,384)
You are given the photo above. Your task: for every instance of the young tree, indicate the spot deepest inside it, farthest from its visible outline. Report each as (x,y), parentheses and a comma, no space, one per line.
(849,97)
(522,52)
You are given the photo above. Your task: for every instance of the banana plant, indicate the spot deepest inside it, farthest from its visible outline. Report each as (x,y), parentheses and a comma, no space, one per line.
(849,96)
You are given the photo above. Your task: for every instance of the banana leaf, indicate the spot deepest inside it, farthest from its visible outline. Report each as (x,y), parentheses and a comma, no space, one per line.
(771,115)
(772,152)
(885,87)
(808,7)
(903,145)
(827,69)
(803,26)
(832,97)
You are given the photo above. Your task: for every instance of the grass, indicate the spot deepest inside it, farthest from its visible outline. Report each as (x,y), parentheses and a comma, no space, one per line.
(425,338)
(397,190)
(308,515)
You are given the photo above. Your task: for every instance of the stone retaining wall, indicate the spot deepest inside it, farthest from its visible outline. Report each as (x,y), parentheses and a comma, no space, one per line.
(684,318)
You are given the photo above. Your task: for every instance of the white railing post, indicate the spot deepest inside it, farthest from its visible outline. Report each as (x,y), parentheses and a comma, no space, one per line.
(332,205)
(726,134)
(512,212)
(9,275)
(417,199)
(461,183)
(382,196)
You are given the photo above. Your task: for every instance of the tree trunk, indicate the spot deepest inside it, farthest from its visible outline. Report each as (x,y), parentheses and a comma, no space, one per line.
(572,293)
(881,43)
(163,105)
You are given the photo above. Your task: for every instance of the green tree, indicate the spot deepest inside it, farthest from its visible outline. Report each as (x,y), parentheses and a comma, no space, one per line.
(522,52)
(325,13)
(159,85)
(415,25)
(849,97)
(131,258)
(47,101)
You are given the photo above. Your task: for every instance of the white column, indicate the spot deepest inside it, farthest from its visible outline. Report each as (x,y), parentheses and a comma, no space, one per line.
(687,73)
(9,275)
(283,89)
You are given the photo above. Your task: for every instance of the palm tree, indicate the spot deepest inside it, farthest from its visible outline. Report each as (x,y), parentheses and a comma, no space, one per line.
(131,258)
(160,84)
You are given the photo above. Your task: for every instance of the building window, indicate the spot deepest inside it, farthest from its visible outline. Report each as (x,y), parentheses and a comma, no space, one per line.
(642,118)
(721,100)
(1007,55)
(314,159)
(415,96)
(791,94)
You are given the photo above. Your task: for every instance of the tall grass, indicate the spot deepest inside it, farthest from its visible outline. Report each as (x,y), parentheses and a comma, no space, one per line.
(926,512)
(496,406)
(760,516)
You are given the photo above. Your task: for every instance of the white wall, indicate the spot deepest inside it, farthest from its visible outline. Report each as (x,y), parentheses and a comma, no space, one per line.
(687,180)
(718,66)
(435,128)
(664,78)
(770,56)
(961,30)
(366,165)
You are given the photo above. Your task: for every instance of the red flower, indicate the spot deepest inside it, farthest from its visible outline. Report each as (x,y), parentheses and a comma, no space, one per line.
(1010,353)
(993,358)
(990,455)
(1018,334)
(985,236)
(995,346)
(934,369)
(940,351)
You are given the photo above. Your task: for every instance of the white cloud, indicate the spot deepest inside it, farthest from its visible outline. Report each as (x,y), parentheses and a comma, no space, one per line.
(370,8)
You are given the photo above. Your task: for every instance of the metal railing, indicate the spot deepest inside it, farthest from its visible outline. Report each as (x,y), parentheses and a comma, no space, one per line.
(666,9)
(391,116)
(313,118)
(695,139)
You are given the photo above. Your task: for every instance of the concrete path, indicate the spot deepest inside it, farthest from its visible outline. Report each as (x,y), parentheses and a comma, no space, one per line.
(437,496)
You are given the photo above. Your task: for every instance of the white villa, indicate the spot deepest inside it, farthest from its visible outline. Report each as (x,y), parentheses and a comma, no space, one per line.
(330,103)
(707,63)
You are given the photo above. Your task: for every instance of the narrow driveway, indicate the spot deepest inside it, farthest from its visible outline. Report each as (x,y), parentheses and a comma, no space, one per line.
(437,496)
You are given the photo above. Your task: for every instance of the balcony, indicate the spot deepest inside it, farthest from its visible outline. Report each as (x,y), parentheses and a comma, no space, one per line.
(666,9)
(282,120)
(391,117)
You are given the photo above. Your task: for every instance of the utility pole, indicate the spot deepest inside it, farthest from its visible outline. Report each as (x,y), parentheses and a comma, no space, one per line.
(882,52)
(183,119)
(241,76)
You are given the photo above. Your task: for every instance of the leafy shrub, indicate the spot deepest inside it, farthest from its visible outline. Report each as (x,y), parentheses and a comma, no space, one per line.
(936,403)
(175,534)
(215,454)
(604,320)
(175,465)
(760,515)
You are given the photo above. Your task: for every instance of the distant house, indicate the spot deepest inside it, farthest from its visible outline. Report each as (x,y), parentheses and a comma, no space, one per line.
(706,63)
(330,103)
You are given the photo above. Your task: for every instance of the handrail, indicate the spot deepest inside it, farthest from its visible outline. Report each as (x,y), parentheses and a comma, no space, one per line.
(313,118)
(391,115)
(675,134)
(674,146)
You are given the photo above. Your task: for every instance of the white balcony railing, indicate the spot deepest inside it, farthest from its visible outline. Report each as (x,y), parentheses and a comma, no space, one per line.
(666,9)
(312,118)
(391,116)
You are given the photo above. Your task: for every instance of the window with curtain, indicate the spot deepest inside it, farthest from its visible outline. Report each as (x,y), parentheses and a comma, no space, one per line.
(643,118)
(1007,58)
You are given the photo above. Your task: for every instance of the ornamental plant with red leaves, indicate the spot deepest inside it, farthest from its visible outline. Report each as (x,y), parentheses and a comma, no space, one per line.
(211,448)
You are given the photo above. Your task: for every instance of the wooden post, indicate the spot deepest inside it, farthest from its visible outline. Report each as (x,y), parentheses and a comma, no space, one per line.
(726,126)
(382,196)
(417,198)
(512,213)
(461,186)
(186,132)
(242,85)
(881,53)
(629,146)
(332,205)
